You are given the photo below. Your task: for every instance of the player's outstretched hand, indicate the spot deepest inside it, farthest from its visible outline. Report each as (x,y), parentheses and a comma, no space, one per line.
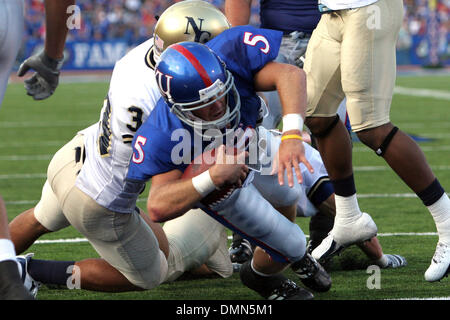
(45,80)
(229,169)
(290,154)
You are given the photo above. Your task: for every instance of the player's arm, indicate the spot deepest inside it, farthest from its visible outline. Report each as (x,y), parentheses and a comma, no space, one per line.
(56,17)
(170,196)
(48,62)
(290,82)
(238,11)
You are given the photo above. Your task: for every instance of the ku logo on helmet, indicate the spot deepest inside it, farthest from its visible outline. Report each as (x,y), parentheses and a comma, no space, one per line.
(159,79)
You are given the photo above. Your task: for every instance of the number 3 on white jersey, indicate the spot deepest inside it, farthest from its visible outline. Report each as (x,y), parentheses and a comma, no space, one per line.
(140,142)
(252,41)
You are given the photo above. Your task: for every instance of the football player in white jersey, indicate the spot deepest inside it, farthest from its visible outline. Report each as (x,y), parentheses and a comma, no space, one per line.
(84,186)
(352,54)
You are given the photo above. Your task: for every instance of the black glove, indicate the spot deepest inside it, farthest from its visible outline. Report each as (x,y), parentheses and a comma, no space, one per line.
(45,80)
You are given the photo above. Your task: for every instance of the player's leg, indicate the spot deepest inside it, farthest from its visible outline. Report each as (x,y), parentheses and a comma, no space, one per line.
(249,214)
(324,95)
(130,260)
(402,154)
(322,67)
(130,255)
(46,217)
(371,248)
(198,244)
(285,200)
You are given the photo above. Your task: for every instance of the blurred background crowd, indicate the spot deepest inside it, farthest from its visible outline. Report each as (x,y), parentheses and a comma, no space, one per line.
(132,21)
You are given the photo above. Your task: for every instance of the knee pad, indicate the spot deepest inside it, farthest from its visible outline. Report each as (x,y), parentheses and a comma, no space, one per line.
(382,149)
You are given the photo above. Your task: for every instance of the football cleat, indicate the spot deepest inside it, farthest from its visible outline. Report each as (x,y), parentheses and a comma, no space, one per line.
(342,236)
(240,251)
(312,274)
(274,287)
(327,249)
(394,261)
(288,290)
(440,262)
(11,286)
(30,284)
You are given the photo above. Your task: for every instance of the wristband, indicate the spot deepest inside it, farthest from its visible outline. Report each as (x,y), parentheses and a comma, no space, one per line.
(203,183)
(292,121)
(292,136)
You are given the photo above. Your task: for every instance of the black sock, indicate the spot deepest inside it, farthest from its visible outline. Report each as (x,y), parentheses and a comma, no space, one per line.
(262,285)
(344,187)
(432,193)
(50,271)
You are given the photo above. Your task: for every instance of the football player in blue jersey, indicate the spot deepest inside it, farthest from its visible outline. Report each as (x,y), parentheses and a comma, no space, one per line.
(209,94)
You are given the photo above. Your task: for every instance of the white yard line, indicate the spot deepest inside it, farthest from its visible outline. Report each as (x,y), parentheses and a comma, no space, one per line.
(430,298)
(387,168)
(424,148)
(426,93)
(17,176)
(30,144)
(361,196)
(396,234)
(43,124)
(34,157)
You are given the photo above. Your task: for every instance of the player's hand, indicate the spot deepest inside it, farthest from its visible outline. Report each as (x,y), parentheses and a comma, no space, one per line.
(290,154)
(45,80)
(229,168)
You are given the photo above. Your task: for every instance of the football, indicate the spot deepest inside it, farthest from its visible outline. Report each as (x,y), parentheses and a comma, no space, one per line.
(199,165)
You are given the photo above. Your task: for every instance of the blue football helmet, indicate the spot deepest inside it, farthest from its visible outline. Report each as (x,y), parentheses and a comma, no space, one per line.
(191,76)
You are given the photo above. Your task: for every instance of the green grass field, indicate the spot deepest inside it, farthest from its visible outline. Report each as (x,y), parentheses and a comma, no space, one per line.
(31,132)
